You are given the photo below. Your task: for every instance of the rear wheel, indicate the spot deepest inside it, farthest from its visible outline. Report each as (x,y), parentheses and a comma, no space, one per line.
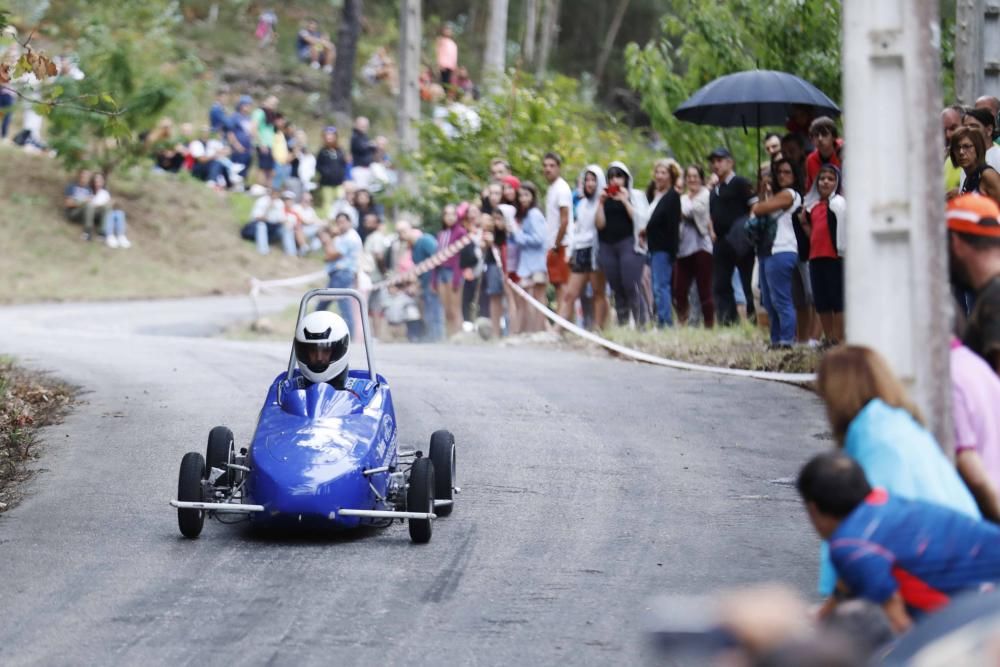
(442,455)
(219,454)
(420,498)
(189,489)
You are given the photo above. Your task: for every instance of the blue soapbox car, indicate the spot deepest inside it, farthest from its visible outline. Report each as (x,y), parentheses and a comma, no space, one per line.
(321,456)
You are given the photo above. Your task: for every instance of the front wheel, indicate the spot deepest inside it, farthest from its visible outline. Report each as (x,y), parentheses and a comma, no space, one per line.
(189,489)
(420,498)
(219,454)
(442,455)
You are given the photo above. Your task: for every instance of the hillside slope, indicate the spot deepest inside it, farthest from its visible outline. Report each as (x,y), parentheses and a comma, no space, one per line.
(185,239)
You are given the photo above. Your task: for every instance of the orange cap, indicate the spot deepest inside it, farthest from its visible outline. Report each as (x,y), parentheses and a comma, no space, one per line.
(974,214)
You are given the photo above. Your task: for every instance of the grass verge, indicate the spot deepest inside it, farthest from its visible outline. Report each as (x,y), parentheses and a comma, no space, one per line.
(28,401)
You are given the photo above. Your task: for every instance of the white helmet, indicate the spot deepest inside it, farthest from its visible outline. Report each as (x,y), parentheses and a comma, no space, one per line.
(321,344)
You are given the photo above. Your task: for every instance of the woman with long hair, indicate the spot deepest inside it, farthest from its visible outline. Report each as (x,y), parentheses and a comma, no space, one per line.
(875,423)
(663,235)
(694,248)
(529,237)
(778,267)
(968,151)
(448,276)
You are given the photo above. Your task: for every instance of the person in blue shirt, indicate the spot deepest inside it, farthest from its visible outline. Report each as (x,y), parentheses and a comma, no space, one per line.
(239,136)
(909,556)
(343,257)
(876,424)
(218,117)
(424,245)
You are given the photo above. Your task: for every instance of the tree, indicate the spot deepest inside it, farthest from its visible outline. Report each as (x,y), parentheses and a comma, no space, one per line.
(411,25)
(494,56)
(701,41)
(550,28)
(342,79)
(609,39)
(530,31)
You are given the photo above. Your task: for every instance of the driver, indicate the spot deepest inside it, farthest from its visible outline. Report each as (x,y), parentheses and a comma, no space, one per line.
(322,341)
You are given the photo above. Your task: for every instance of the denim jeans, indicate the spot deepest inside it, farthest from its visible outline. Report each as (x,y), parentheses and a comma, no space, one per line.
(776,295)
(262,237)
(281,174)
(342,280)
(114,223)
(433,315)
(662,268)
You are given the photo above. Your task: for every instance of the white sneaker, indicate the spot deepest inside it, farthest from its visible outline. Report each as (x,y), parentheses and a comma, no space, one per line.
(328,68)
(111,241)
(123,242)
(314,65)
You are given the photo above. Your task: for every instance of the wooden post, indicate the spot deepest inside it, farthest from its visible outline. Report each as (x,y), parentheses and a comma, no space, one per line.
(898,299)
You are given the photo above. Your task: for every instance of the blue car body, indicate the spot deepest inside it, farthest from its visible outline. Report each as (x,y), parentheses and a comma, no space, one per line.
(313,443)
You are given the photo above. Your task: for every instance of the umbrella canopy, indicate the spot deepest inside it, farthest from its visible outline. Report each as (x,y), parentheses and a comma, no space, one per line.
(756,98)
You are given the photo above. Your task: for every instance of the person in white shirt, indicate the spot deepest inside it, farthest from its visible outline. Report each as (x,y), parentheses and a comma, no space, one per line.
(345,204)
(558,222)
(583,248)
(113,219)
(268,216)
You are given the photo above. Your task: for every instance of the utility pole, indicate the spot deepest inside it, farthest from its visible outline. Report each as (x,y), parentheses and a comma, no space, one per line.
(408,113)
(898,300)
(968,50)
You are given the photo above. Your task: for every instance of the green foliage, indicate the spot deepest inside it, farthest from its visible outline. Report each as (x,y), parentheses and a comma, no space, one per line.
(702,41)
(521,124)
(133,72)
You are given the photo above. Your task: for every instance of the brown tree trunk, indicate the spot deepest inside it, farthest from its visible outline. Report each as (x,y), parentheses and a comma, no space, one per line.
(342,79)
(550,28)
(530,32)
(494,55)
(609,40)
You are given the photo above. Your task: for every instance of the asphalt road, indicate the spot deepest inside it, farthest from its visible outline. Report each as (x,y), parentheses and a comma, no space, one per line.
(589,484)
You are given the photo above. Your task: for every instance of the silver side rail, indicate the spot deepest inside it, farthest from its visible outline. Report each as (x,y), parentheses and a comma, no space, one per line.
(383,514)
(238,508)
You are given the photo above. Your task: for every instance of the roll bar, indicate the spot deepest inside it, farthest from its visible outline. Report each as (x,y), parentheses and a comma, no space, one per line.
(365,325)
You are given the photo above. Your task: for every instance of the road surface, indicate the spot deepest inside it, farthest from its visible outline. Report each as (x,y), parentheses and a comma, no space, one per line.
(589,484)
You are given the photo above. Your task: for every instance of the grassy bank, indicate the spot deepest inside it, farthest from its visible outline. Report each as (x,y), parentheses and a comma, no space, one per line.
(28,402)
(185,239)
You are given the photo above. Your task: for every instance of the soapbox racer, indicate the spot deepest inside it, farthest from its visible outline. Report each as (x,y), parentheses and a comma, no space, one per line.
(324,453)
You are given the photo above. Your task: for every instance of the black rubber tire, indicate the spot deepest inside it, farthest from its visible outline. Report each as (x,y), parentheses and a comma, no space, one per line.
(442,455)
(189,489)
(420,498)
(219,453)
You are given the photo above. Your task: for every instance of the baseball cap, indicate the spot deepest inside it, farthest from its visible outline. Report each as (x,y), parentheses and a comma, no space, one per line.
(720,152)
(330,128)
(288,194)
(974,214)
(244,100)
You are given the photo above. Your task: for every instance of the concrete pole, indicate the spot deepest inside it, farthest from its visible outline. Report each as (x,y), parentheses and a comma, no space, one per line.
(968,50)
(411,26)
(495,53)
(898,301)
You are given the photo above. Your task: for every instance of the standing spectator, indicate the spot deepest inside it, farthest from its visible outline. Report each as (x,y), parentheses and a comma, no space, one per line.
(907,555)
(281,156)
(499,169)
(529,236)
(876,424)
(331,165)
(423,246)
(558,222)
(772,146)
(984,122)
(267,26)
(491,293)
(470,263)
(620,220)
(794,148)
(345,204)
(239,135)
(447,276)
(114,219)
(314,47)
(951,120)
(694,250)
(583,249)
(218,117)
(975,395)
(824,219)
(303,164)
(974,257)
(968,151)
(823,132)
(663,235)
(343,256)
(262,124)
(991,104)
(363,149)
(364,204)
(729,205)
(447,55)
(779,267)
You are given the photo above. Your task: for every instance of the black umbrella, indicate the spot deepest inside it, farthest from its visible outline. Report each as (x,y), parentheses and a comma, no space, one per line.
(756,98)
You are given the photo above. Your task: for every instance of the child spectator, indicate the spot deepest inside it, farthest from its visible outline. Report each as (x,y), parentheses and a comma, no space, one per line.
(470,263)
(314,47)
(447,55)
(114,219)
(267,26)
(823,132)
(824,220)
(331,165)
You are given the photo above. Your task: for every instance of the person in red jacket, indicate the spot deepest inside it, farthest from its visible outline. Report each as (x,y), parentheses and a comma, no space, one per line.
(823,132)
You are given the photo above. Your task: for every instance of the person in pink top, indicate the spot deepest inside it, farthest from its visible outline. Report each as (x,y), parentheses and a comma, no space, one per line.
(447,55)
(448,276)
(975,392)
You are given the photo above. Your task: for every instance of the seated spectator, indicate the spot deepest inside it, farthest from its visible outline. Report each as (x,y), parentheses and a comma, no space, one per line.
(381,68)
(168,153)
(345,204)
(314,47)
(79,206)
(975,396)
(875,423)
(204,152)
(465,84)
(308,225)
(114,219)
(427,84)
(267,27)
(909,556)
(267,221)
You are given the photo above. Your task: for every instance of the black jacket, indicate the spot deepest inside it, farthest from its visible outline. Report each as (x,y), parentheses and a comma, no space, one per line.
(362,149)
(331,166)
(664,227)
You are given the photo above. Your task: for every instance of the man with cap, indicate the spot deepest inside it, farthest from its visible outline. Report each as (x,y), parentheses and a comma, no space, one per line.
(729,206)
(974,259)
